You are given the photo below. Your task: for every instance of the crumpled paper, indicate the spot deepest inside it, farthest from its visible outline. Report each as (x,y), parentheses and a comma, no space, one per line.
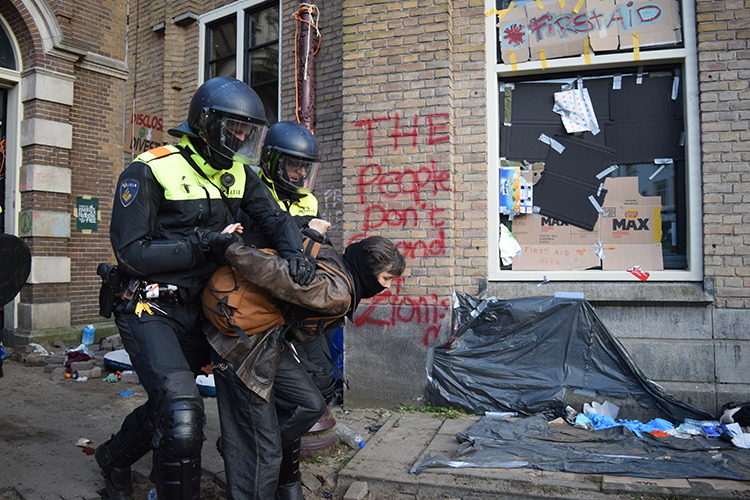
(575,108)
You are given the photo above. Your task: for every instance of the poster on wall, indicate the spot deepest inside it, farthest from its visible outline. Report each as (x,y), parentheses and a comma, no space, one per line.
(145,132)
(540,31)
(87,214)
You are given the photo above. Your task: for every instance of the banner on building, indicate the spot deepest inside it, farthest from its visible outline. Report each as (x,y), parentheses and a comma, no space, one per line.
(145,132)
(551,29)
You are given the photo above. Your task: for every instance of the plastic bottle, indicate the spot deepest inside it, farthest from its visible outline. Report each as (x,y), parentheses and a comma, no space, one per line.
(88,335)
(349,436)
(152,494)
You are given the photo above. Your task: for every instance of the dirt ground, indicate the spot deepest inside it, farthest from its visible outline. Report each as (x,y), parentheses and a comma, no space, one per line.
(42,420)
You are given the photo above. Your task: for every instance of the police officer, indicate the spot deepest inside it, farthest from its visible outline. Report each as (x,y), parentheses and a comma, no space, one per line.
(288,166)
(170,207)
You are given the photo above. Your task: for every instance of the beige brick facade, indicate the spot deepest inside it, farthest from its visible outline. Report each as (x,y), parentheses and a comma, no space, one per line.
(724,72)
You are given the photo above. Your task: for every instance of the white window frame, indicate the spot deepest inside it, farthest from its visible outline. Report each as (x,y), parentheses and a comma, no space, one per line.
(688,56)
(236,9)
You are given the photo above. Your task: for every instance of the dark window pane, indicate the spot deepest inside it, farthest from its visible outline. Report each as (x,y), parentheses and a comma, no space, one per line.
(262,56)
(641,119)
(263,65)
(221,50)
(6,52)
(264,26)
(268,93)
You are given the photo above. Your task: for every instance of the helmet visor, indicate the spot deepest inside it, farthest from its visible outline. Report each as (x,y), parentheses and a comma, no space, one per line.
(296,172)
(243,140)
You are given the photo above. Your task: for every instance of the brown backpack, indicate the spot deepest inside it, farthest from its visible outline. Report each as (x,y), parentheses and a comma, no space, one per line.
(237,307)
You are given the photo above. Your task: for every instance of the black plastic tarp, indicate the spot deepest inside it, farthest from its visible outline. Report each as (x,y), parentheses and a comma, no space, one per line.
(531,442)
(523,354)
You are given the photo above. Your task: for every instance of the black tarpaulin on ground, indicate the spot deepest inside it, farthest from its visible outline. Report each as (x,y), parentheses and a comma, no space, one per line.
(523,354)
(530,442)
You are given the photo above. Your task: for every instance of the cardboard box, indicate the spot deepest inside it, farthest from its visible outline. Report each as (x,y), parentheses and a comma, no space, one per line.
(622,257)
(543,230)
(630,234)
(555,258)
(631,218)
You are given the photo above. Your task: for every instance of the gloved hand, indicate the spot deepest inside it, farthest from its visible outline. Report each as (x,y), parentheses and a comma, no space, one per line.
(301,269)
(215,242)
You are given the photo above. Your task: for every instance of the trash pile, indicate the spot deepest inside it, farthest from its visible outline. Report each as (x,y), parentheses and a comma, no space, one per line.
(729,427)
(516,361)
(656,449)
(107,361)
(80,363)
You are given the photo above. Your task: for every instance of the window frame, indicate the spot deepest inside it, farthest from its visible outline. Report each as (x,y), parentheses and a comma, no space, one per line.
(239,11)
(687,57)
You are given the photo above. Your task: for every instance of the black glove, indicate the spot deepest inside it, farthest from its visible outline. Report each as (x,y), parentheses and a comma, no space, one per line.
(301,270)
(216,243)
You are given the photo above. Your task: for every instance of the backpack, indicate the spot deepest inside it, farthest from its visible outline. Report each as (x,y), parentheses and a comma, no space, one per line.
(238,308)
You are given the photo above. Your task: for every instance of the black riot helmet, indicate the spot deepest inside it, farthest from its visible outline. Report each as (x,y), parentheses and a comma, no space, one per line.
(290,157)
(230,118)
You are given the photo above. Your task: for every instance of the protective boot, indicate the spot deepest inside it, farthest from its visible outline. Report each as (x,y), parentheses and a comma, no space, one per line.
(177,460)
(117,454)
(117,480)
(177,479)
(292,491)
(290,484)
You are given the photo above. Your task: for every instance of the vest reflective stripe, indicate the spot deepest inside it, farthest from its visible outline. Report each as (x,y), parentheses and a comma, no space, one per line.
(181,182)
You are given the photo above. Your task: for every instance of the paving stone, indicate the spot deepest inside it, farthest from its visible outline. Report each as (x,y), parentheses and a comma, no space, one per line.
(357,491)
(77,366)
(36,360)
(59,344)
(58,373)
(311,481)
(56,359)
(95,372)
(130,377)
(111,343)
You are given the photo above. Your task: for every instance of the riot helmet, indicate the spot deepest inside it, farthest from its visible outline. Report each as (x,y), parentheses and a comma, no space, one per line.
(230,118)
(290,157)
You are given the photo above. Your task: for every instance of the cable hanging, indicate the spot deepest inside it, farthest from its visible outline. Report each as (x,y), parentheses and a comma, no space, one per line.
(314,14)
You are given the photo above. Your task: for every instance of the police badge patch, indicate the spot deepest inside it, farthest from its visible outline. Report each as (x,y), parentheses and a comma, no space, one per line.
(128,190)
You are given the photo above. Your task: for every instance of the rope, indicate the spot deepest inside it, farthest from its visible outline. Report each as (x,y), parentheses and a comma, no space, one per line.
(314,16)
(2,163)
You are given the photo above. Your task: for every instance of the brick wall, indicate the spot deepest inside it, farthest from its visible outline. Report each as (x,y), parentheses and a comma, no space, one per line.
(724,72)
(72,114)
(414,171)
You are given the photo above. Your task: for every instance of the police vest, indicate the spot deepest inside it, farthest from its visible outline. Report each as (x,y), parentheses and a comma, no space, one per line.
(181,182)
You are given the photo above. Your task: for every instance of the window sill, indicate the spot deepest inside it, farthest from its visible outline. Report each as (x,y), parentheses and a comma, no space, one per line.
(610,293)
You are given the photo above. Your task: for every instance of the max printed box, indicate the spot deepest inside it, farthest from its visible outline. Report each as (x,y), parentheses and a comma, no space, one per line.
(630,233)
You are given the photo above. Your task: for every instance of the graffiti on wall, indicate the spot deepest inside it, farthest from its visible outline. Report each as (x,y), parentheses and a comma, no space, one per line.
(417,189)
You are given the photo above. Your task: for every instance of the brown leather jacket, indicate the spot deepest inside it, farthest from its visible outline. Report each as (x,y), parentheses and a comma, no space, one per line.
(329,294)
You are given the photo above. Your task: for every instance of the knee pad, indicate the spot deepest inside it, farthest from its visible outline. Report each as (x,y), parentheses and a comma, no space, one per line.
(181,425)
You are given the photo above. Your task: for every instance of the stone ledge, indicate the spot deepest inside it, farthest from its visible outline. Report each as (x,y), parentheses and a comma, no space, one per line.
(609,294)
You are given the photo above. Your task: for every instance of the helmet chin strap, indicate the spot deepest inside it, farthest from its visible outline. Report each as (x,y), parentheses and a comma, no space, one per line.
(214,158)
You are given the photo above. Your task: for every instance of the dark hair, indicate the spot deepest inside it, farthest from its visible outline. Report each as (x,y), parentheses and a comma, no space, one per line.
(382,255)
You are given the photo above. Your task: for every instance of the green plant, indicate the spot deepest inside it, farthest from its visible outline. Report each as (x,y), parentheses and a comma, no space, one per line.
(439,411)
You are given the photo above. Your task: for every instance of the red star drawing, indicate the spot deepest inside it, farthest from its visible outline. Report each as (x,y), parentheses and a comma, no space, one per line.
(514,35)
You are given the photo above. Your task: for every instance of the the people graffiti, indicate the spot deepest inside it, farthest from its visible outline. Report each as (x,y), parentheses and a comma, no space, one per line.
(170,207)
